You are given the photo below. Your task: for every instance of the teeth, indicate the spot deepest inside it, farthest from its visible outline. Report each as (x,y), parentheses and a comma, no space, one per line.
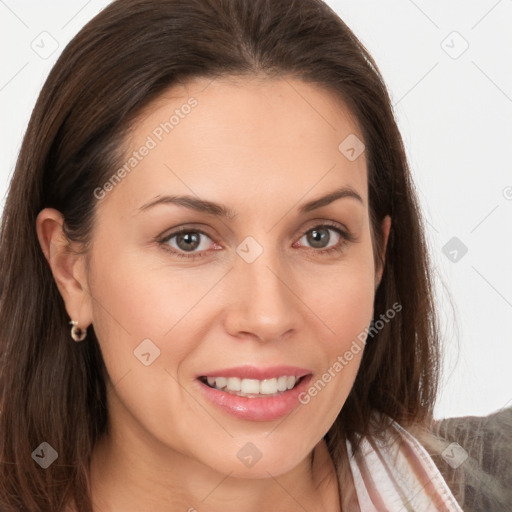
(249,386)
(268,387)
(282,383)
(244,387)
(221,382)
(234,384)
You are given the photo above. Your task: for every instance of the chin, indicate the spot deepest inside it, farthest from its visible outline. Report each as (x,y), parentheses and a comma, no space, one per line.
(259,458)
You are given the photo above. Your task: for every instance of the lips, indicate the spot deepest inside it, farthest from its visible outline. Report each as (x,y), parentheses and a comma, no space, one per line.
(255,394)
(258,373)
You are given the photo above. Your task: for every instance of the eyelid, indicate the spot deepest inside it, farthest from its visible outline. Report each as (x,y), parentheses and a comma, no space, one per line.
(346,235)
(340,228)
(163,240)
(316,223)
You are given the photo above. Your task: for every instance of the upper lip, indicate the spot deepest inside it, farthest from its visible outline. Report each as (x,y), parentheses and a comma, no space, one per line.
(258,373)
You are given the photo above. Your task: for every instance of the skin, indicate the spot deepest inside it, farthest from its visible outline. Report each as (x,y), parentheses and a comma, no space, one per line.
(262,148)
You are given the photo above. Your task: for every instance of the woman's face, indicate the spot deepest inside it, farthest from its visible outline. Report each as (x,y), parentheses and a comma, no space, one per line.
(251,298)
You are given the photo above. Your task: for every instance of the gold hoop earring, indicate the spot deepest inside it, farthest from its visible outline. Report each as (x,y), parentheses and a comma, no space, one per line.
(76,333)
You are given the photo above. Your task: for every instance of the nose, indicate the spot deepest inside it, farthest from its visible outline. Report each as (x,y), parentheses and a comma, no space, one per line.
(264,301)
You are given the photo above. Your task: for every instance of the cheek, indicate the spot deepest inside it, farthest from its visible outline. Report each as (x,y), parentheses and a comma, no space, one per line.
(141,321)
(345,296)
(347,309)
(344,303)
(350,306)
(141,297)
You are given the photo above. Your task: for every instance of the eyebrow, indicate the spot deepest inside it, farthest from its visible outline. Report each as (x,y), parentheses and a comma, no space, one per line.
(220,210)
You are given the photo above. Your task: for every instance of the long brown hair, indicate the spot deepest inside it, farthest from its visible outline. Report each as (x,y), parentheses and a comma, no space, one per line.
(53,390)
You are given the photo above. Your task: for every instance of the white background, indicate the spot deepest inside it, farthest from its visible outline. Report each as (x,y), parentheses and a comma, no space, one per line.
(455,112)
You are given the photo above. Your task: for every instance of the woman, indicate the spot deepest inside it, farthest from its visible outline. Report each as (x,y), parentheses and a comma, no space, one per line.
(175,335)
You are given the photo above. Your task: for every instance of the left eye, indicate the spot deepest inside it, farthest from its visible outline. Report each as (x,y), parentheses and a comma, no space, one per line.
(318,235)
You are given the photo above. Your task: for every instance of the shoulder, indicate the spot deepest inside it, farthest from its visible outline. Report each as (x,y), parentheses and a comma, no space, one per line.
(476,460)
(391,469)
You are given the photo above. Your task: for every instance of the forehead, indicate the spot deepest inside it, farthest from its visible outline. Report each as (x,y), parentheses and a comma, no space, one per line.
(241,137)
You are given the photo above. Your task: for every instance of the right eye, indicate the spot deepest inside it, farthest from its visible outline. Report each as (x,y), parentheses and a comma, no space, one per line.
(187,241)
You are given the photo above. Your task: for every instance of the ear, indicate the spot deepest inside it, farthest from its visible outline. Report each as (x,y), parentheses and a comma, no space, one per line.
(385,227)
(67,266)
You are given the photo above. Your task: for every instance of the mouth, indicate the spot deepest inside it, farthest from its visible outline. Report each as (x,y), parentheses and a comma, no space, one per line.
(255,394)
(253,388)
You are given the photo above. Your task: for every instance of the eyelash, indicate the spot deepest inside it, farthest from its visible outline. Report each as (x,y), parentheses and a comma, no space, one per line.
(346,238)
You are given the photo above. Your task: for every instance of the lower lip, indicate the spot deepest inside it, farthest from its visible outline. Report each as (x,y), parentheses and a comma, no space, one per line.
(257,409)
